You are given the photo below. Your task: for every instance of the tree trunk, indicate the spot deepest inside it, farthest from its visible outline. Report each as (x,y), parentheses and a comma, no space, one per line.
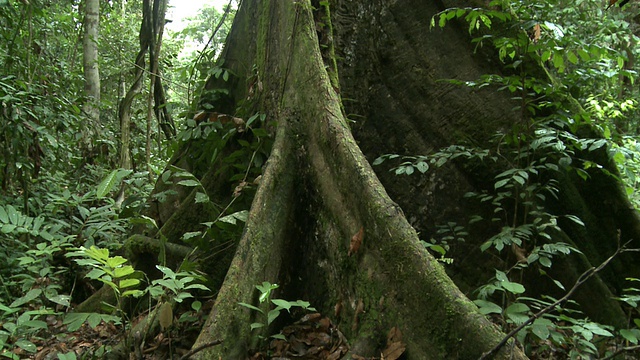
(91,73)
(317,191)
(379,63)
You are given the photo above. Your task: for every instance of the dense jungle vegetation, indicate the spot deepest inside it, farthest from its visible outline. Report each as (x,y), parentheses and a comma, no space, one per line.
(172,193)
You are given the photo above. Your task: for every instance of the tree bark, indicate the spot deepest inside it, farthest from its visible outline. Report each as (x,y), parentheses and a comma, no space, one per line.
(391,74)
(91,71)
(316,192)
(380,64)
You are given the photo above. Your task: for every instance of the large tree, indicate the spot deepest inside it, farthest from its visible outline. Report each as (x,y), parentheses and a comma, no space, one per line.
(306,68)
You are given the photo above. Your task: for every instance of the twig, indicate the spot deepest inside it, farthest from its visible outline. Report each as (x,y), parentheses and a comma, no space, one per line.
(621,350)
(588,274)
(200,348)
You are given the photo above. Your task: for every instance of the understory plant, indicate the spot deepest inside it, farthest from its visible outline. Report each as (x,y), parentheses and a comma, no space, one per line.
(269,316)
(542,143)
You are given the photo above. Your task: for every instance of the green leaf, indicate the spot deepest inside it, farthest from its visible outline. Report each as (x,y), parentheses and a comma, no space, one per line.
(75,320)
(34,325)
(500,183)
(123,271)
(3,215)
(272,315)
(201,198)
(282,303)
(558,284)
(575,219)
(29,296)
(517,318)
(97,253)
(253,118)
(166,271)
(512,287)
(129,283)
(63,300)
(189,182)
(501,276)
(443,20)
(517,312)
(437,248)
(68,356)
(7,228)
(107,184)
(517,308)
(422,166)
(196,305)
(540,328)
(485,246)
(133,293)
(251,307)
(231,219)
(630,335)
(94,320)
(377,161)
(487,307)
(144,220)
(558,61)
(584,55)
(26,345)
(191,234)
(94,274)
(545,261)
(197,286)
(14,216)
(598,329)
(256,325)
(303,304)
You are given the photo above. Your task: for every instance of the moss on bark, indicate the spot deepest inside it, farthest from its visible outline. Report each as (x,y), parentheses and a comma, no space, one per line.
(317,190)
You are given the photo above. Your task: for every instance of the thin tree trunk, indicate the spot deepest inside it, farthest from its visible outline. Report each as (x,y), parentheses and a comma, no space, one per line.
(163,115)
(91,72)
(124,110)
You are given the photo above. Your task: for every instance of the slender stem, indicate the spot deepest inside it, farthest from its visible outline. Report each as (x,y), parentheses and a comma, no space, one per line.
(200,348)
(588,274)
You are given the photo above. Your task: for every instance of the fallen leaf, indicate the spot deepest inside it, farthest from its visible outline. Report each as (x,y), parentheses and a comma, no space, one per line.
(395,347)
(200,116)
(239,188)
(356,317)
(165,315)
(356,241)
(536,33)
(337,309)
(520,253)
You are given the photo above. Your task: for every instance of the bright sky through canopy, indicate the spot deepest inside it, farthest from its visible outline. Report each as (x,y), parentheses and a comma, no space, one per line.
(180,9)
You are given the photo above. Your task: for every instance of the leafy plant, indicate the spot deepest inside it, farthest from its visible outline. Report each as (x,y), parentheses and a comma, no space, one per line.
(537,53)
(111,271)
(272,314)
(20,329)
(176,286)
